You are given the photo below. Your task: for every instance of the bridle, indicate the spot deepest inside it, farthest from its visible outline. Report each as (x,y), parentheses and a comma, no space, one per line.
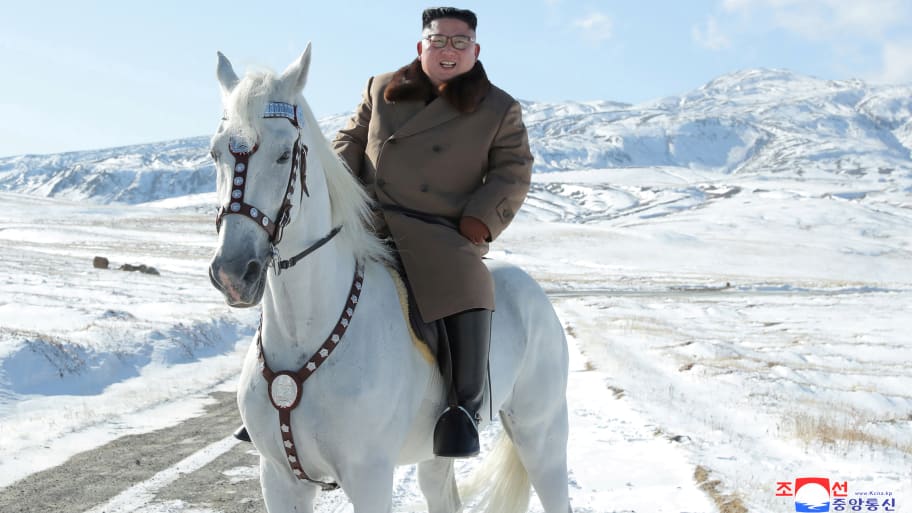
(274,227)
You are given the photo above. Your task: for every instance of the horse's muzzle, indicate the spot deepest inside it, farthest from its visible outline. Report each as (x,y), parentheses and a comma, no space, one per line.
(241,284)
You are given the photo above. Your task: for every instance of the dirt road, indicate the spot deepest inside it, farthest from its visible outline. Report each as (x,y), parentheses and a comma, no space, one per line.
(126,475)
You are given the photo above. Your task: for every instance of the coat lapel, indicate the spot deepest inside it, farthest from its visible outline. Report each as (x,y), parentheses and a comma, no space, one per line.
(435,113)
(396,117)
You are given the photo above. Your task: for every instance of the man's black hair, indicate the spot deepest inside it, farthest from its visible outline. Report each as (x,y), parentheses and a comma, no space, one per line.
(435,13)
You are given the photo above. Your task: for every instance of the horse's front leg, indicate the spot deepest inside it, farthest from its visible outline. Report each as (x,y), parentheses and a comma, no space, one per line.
(284,493)
(369,486)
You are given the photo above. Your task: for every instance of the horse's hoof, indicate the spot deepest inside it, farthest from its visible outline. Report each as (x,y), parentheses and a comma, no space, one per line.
(456,434)
(242,434)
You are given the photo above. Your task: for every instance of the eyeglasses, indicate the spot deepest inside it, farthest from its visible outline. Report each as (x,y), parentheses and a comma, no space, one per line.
(440,41)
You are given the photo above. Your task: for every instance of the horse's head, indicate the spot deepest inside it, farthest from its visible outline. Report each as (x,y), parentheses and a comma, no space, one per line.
(260,152)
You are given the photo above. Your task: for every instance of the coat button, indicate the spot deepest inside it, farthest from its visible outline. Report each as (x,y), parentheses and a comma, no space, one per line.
(437,148)
(424,187)
(381,182)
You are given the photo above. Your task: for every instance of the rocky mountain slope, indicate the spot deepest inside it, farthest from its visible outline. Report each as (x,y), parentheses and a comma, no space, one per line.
(757,121)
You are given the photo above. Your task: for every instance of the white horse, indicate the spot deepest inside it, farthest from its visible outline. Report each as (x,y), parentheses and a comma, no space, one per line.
(372,405)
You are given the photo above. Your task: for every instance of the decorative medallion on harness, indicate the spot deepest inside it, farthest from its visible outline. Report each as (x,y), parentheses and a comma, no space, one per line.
(285,387)
(284,391)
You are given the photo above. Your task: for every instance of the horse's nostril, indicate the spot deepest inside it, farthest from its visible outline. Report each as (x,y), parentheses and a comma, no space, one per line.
(253,272)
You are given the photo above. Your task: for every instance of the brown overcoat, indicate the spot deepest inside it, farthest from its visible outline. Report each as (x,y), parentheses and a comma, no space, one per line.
(430,157)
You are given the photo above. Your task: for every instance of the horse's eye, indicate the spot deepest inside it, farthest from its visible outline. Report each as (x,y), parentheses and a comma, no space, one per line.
(284,158)
(213,154)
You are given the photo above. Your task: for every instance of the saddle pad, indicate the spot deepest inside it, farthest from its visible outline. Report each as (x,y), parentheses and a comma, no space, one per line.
(425,336)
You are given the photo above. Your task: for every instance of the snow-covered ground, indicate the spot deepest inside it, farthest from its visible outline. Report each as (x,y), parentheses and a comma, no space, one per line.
(757,336)
(738,311)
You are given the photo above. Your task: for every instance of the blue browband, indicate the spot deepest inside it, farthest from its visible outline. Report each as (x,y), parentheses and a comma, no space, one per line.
(284,110)
(288,111)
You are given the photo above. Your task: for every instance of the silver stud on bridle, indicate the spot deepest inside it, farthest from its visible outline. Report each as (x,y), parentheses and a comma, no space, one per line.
(241,150)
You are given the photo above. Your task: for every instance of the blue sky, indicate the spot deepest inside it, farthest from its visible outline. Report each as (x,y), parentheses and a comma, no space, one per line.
(98,74)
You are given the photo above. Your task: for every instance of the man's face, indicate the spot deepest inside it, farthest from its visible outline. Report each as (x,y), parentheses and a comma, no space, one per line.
(443,64)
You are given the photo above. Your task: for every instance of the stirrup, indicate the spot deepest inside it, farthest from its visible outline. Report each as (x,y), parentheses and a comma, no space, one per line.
(456,434)
(242,434)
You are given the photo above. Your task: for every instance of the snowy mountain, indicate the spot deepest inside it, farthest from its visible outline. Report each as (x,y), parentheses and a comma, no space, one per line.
(756,121)
(129,174)
(750,122)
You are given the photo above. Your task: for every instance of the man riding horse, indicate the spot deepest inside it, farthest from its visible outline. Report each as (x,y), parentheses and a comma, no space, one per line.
(445,155)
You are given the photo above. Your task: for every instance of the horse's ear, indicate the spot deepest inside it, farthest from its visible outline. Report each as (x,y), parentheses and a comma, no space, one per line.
(295,76)
(226,75)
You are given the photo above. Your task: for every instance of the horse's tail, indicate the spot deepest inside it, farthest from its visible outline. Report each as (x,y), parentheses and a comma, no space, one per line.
(501,483)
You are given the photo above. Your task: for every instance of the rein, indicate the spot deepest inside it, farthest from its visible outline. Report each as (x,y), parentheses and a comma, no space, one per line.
(281,265)
(285,387)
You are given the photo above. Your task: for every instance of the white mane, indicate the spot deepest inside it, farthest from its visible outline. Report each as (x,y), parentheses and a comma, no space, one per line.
(351,206)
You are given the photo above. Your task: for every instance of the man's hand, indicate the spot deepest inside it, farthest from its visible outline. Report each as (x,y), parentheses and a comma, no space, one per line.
(474,230)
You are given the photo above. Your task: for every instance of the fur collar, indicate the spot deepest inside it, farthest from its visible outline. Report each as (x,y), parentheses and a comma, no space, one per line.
(464,92)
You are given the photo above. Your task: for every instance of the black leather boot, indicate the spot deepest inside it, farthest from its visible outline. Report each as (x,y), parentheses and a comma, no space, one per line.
(242,434)
(456,432)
